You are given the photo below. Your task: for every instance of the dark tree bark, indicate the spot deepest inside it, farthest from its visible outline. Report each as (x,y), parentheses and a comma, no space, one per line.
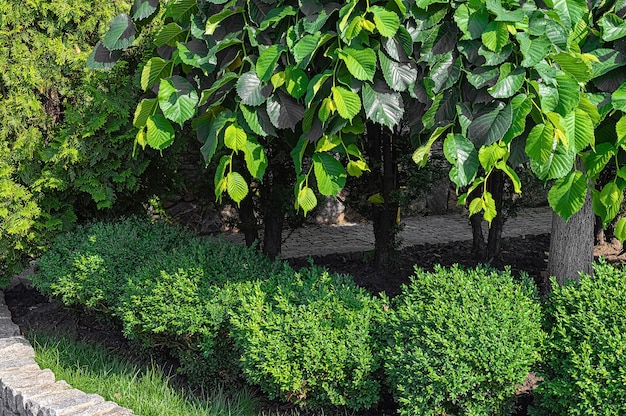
(496,188)
(275,189)
(571,244)
(248,221)
(384,172)
(478,240)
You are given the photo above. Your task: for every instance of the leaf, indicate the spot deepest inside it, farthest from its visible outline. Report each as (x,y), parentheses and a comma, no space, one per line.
(597,159)
(305,47)
(220,178)
(160,133)
(618,98)
(360,62)
(235,137)
(296,82)
(329,173)
(215,20)
(208,128)
(255,157)
(460,152)
(142,9)
(155,70)
(620,130)
(613,27)
(490,155)
(357,167)
(101,58)
(399,76)
(445,73)
(509,81)
(284,111)
(562,99)
(620,230)
(491,126)
(475,206)
(250,89)
(177,99)
(386,21)
(533,51)
(521,105)
(267,61)
(275,15)
(540,143)
(517,184)
(195,53)
(489,205)
(382,106)
(258,120)
(579,129)
(348,103)
(495,36)
(482,77)
(169,35)
(420,156)
(181,10)
(219,85)
(570,11)
(471,22)
(236,186)
(558,165)
(306,199)
(145,109)
(567,195)
(575,65)
(121,33)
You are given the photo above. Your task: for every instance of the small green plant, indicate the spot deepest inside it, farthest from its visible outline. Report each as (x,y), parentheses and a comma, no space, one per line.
(307,338)
(90,265)
(460,340)
(145,390)
(585,359)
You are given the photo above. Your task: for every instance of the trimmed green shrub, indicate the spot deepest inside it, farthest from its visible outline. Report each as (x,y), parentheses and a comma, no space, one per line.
(91,264)
(460,340)
(584,368)
(307,338)
(183,300)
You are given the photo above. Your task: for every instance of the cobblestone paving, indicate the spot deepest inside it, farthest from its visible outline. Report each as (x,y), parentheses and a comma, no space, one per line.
(321,240)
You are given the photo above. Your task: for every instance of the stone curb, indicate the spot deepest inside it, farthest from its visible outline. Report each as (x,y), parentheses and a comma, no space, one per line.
(27,390)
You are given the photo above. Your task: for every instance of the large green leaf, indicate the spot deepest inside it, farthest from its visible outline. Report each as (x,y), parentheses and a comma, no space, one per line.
(142,9)
(296,82)
(258,120)
(160,133)
(579,129)
(215,20)
(305,47)
(382,105)
(533,50)
(208,129)
(360,62)
(559,164)
(306,199)
(567,195)
(255,157)
(574,64)
(181,10)
(420,156)
(483,76)
(563,98)
(348,103)
(521,105)
(387,22)
(220,176)
(266,63)
(155,70)
(598,157)
(569,11)
(250,89)
(195,53)
(145,109)
(471,22)
(329,173)
(620,230)
(445,73)
(121,33)
(509,82)
(608,60)
(221,85)
(284,111)
(540,143)
(618,98)
(235,137)
(490,155)
(505,15)
(460,152)
(495,36)
(607,202)
(613,27)
(236,186)
(399,76)
(275,15)
(169,35)
(491,126)
(178,99)
(620,131)
(101,58)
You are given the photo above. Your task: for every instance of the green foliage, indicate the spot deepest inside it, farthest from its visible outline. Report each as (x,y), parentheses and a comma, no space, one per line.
(460,340)
(91,264)
(584,363)
(308,338)
(66,134)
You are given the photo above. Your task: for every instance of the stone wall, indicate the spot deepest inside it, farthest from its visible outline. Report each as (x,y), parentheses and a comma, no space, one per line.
(27,390)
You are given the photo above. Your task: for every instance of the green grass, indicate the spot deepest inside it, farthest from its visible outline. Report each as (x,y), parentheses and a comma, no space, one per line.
(146,391)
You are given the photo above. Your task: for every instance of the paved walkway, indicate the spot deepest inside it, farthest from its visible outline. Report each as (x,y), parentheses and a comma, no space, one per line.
(321,240)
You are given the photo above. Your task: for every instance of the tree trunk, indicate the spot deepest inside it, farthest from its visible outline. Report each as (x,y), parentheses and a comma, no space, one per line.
(496,188)
(478,240)
(571,245)
(274,191)
(384,216)
(248,221)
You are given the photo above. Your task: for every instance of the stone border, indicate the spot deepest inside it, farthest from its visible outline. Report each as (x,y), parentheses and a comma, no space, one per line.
(27,390)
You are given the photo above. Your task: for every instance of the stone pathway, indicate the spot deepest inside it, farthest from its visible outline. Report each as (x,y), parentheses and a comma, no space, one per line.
(320,240)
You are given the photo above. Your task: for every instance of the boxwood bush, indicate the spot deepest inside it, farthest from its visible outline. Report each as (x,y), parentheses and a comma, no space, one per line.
(460,340)
(585,360)
(90,265)
(307,338)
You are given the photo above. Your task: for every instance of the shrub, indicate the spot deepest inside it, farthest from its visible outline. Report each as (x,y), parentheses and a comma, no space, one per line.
(460,340)
(307,338)
(183,301)
(91,264)
(585,360)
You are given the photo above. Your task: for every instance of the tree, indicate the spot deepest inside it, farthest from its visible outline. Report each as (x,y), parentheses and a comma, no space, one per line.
(66,135)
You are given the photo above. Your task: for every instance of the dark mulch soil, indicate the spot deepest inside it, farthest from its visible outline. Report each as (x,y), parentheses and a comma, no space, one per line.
(32,311)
